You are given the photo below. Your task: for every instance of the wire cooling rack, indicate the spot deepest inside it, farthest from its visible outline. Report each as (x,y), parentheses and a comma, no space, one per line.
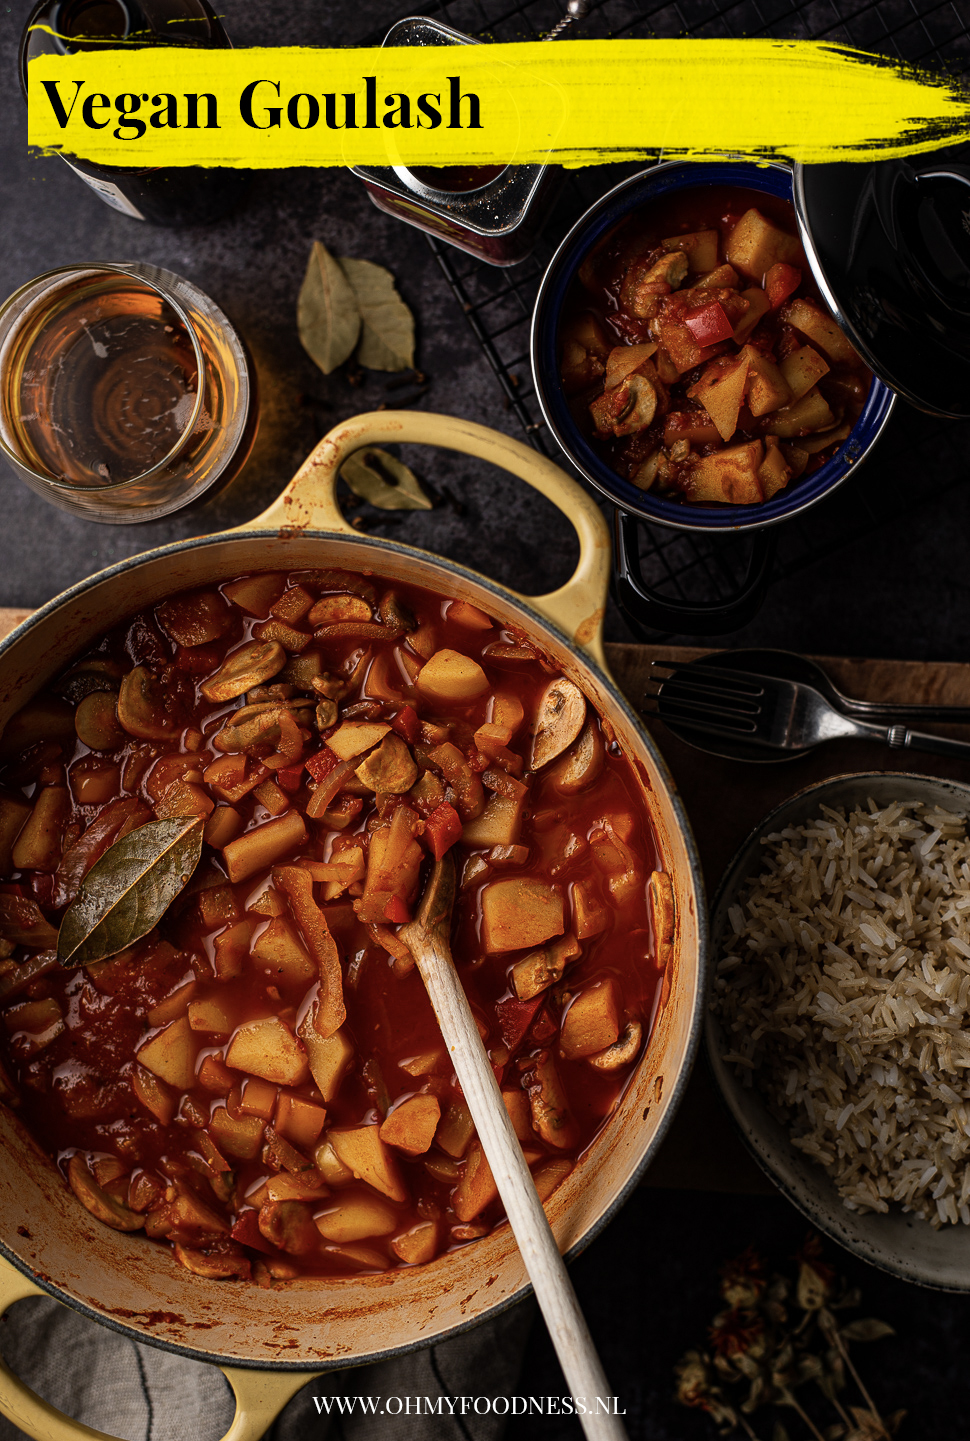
(498,303)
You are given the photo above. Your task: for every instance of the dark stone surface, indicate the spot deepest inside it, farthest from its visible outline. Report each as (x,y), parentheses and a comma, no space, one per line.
(649,1288)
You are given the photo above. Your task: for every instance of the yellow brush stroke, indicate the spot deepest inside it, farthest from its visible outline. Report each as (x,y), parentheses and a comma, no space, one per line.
(580,102)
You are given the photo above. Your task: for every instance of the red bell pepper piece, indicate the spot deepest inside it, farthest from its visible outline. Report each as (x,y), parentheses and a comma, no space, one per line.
(709,324)
(290,778)
(780,282)
(396,911)
(406,723)
(321,764)
(246,1231)
(514,1019)
(442,829)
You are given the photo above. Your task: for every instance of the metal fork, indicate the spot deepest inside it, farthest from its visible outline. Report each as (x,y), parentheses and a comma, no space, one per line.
(779,714)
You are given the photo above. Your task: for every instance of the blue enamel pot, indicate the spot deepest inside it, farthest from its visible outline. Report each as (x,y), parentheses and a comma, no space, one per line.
(630,196)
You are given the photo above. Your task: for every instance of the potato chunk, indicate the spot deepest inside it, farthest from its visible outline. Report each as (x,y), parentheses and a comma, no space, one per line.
(765,388)
(728,475)
(417,1245)
(700,247)
(721,390)
(820,329)
(450,676)
(353,738)
(38,846)
(329,1056)
(809,414)
(281,950)
(591,1023)
(774,472)
(170,1054)
(754,245)
(268,1048)
(411,1125)
(520,911)
(355,1216)
(362,1151)
(477,1188)
(802,370)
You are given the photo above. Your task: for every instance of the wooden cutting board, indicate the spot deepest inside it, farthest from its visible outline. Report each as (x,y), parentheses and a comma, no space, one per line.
(725,800)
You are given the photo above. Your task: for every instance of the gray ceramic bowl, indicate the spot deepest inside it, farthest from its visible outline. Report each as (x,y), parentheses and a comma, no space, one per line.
(902,1244)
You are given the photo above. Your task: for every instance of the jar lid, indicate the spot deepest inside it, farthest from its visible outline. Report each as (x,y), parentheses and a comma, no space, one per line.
(889,245)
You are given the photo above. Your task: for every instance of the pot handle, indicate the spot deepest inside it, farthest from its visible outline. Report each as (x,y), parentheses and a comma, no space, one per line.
(309,503)
(649,614)
(260,1395)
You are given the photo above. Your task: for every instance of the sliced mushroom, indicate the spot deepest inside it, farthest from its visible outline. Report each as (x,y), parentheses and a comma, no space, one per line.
(98,1201)
(223,1262)
(390,768)
(289,1225)
(562,712)
(639,405)
(660,896)
(96,722)
(623,1051)
(340,581)
(551,1116)
(147,706)
(362,630)
(332,609)
(581,765)
(97,674)
(249,666)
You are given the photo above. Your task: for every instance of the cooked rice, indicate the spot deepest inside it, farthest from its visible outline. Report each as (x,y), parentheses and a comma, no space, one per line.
(843,993)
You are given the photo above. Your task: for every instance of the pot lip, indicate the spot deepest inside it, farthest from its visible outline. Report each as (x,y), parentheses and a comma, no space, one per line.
(773,179)
(701,919)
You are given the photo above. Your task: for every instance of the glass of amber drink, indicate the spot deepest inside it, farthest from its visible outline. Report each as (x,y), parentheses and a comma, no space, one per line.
(125,393)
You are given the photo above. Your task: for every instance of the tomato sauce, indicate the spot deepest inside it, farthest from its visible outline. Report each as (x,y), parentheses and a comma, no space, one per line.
(260,1081)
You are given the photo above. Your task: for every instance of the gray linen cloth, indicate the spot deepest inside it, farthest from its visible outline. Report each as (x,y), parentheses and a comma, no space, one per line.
(140,1393)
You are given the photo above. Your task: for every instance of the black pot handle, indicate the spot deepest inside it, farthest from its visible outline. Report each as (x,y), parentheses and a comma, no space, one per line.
(648,613)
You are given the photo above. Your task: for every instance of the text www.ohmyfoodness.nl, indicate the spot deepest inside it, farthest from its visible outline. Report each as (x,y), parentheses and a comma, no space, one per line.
(466,1405)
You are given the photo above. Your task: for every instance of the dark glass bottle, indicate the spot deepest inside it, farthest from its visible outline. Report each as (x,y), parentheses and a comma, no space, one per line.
(190,195)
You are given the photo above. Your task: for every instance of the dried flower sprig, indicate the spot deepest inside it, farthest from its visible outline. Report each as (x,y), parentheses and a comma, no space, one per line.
(775,1336)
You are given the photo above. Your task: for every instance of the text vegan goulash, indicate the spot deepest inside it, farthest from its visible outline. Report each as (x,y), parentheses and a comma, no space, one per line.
(579,103)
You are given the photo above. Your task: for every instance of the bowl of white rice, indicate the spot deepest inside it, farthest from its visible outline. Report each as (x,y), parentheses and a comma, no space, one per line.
(838,1028)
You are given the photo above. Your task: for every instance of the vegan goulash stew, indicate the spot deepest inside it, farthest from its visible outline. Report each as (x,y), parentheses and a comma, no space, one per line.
(260,1082)
(698,356)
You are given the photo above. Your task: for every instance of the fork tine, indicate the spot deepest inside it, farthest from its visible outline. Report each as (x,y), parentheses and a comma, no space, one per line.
(708,718)
(727,680)
(702,694)
(734,731)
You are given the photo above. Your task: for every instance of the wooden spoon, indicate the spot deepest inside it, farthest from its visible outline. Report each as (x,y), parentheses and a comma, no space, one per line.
(428,938)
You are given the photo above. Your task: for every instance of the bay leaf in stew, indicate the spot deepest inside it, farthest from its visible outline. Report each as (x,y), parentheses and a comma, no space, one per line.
(129,889)
(387,328)
(386,482)
(326,312)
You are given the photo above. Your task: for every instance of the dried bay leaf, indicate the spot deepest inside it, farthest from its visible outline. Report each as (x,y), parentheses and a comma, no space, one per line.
(387,325)
(327,314)
(384,481)
(126,893)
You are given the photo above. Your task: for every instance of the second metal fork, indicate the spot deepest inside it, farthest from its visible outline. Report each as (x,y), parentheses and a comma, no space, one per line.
(778,714)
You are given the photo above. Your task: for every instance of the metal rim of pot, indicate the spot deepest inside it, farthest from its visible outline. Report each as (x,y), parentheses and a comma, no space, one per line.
(291,534)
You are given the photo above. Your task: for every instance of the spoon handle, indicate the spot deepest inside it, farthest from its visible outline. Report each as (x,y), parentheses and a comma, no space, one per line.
(547,1272)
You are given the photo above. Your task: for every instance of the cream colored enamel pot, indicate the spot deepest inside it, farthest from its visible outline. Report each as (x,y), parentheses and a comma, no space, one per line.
(270,1342)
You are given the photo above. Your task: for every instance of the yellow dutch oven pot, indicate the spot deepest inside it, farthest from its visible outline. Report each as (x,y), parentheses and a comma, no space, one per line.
(270,1343)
